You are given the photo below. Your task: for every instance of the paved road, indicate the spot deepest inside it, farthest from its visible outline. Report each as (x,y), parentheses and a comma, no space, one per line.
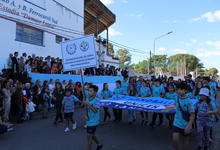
(43,135)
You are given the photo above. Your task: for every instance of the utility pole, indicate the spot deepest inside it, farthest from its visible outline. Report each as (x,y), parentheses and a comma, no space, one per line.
(150,63)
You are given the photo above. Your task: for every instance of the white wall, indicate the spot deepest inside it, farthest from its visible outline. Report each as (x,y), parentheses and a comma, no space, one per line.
(65,18)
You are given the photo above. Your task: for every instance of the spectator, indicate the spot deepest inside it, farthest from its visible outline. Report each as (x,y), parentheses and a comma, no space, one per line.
(15,67)
(9,61)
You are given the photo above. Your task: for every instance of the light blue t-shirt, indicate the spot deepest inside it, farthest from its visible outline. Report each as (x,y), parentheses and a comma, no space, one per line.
(118,91)
(189,94)
(94,117)
(68,102)
(157,91)
(87,93)
(125,86)
(213,86)
(145,91)
(187,105)
(171,96)
(106,94)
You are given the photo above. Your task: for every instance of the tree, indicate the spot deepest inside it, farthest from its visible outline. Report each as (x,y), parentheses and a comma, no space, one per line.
(211,72)
(142,67)
(110,49)
(182,64)
(124,56)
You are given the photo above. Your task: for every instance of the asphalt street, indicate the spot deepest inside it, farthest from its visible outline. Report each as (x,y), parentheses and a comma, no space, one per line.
(41,134)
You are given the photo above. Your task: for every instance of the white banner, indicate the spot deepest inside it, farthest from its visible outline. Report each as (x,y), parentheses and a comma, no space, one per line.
(79,53)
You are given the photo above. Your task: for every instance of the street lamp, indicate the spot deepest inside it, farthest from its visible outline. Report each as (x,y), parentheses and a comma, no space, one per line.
(155,47)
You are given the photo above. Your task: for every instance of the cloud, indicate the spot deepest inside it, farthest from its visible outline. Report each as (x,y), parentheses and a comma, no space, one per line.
(215,44)
(209,17)
(124,1)
(206,53)
(137,16)
(180,51)
(193,41)
(162,49)
(188,43)
(107,2)
(113,32)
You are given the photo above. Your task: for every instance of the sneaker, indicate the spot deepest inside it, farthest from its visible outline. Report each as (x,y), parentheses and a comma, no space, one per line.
(67,130)
(99,147)
(10,129)
(74,126)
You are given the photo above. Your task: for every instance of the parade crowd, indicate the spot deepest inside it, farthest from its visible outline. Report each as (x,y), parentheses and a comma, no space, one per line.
(21,101)
(49,65)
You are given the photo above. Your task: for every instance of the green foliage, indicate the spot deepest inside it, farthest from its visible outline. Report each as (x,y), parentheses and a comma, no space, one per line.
(211,72)
(124,56)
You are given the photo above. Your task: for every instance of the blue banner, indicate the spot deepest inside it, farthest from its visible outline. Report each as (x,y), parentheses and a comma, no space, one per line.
(145,104)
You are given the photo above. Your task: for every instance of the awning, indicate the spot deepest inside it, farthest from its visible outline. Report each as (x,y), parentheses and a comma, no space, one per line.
(97,17)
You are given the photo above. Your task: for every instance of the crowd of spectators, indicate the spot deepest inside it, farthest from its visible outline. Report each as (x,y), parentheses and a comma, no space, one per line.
(49,65)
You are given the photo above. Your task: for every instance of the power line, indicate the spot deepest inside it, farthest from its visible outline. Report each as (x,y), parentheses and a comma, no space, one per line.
(40,26)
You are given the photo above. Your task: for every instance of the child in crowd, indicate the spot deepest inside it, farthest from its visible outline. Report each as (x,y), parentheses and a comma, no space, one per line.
(105,94)
(125,85)
(189,92)
(131,113)
(92,117)
(197,90)
(184,117)
(118,91)
(157,91)
(171,95)
(46,99)
(205,109)
(68,109)
(145,91)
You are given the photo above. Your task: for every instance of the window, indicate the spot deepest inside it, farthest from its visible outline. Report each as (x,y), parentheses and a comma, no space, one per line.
(29,35)
(59,39)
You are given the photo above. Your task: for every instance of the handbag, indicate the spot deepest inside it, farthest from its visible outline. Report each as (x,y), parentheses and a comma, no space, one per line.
(185,114)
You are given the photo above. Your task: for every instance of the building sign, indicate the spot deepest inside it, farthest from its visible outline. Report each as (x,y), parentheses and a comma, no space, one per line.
(79,53)
(20,10)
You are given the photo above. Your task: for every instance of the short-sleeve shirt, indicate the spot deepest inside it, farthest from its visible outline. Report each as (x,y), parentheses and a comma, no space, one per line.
(94,117)
(118,91)
(68,102)
(187,105)
(203,108)
(171,96)
(145,91)
(106,94)
(157,91)
(189,94)
(124,86)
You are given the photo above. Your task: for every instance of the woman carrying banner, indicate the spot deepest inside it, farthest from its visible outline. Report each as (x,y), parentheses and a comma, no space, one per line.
(131,113)
(106,93)
(118,91)
(157,91)
(145,91)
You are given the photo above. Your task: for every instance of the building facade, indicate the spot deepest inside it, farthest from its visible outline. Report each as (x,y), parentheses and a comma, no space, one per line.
(38,26)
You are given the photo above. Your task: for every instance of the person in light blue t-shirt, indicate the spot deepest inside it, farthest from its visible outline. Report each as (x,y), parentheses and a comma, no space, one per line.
(68,109)
(92,117)
(118,91)
(105,94)
(171,95)
(184,117)
(157,91)
(125,85)
(145,91)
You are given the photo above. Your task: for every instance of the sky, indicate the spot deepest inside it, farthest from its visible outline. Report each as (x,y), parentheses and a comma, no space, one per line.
(195,25)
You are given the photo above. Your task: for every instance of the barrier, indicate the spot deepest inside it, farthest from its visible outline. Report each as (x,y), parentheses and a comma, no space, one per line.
(97,80)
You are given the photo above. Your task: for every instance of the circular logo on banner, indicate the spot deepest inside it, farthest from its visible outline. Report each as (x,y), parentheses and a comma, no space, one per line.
(71,49)
(84,46)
